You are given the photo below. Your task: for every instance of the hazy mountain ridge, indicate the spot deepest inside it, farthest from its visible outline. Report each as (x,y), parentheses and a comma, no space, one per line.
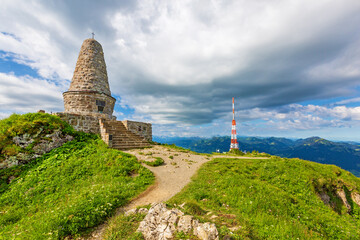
(343,154)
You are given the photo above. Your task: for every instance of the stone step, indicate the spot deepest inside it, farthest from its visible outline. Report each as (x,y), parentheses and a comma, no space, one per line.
(122,138)
(125,138)
(128,140)
(130,145)
(127,135)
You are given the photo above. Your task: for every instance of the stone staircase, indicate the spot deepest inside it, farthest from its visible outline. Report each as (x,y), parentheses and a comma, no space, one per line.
(115,134)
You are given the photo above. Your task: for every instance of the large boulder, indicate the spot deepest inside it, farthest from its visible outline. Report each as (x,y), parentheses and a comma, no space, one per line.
(161,223)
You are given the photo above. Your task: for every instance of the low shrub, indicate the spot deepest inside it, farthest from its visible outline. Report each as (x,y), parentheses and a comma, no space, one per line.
(158,161)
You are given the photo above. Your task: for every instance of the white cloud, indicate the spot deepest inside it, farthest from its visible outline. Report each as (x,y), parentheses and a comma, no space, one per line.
(347,101)
(345,65)
(259,51)
(4,115)
(308,117)
(27,94)
(182,61)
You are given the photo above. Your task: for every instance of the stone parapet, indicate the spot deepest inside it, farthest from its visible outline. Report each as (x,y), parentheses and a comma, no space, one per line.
(139,128)
(85,123)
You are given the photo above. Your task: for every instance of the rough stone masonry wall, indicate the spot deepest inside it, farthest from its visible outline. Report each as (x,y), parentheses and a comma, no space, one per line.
(139,128)
(104,132)
(85,102)
(90,71)
(85,123)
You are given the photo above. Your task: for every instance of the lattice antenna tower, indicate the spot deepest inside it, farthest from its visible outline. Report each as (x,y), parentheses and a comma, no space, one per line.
(234,144)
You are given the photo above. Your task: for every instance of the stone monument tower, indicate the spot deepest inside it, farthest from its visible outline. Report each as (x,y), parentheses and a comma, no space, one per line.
(89,91)
(89,105)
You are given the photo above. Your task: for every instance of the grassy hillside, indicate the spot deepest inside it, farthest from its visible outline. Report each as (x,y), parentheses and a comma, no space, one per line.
(68,190)
(344,155)
(273,198)
(35,125)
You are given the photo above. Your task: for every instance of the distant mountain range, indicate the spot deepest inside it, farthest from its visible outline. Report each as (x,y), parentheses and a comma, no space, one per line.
(343,154)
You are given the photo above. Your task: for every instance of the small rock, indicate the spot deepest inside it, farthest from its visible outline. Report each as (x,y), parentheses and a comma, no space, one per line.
(11,178)
(234,229)
(185,223)
(342,195)
(356,197)
(195,223)
(206,231)
(324,197)
(143,211)
(131,212)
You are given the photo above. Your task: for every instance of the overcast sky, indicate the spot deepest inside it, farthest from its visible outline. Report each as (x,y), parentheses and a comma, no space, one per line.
(293,66)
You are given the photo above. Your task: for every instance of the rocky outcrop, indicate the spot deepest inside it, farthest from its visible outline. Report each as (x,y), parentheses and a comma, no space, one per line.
(355,197)
(327,195)
(342,195)
(161,223)
(40,145)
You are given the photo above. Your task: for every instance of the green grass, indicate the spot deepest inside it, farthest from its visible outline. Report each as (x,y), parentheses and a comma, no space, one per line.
(271,199)
(124,227)
(236,152)
(32,124)
(69,190)
(173,146)
(181,149)
(158,161)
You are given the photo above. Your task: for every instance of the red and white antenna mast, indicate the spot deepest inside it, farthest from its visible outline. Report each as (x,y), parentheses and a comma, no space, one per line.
(234,144)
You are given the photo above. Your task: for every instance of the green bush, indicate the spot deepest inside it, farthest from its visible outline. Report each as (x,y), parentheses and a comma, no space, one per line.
(158,161)
(236,152)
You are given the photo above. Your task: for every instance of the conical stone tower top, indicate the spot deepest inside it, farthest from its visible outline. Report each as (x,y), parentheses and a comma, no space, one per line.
(89,91)
(90,72)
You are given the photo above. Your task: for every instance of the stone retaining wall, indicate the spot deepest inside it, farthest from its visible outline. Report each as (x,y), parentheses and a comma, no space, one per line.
(85,123)
(139,128)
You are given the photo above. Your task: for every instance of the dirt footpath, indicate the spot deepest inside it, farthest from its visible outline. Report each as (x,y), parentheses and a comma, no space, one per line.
(170,178)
